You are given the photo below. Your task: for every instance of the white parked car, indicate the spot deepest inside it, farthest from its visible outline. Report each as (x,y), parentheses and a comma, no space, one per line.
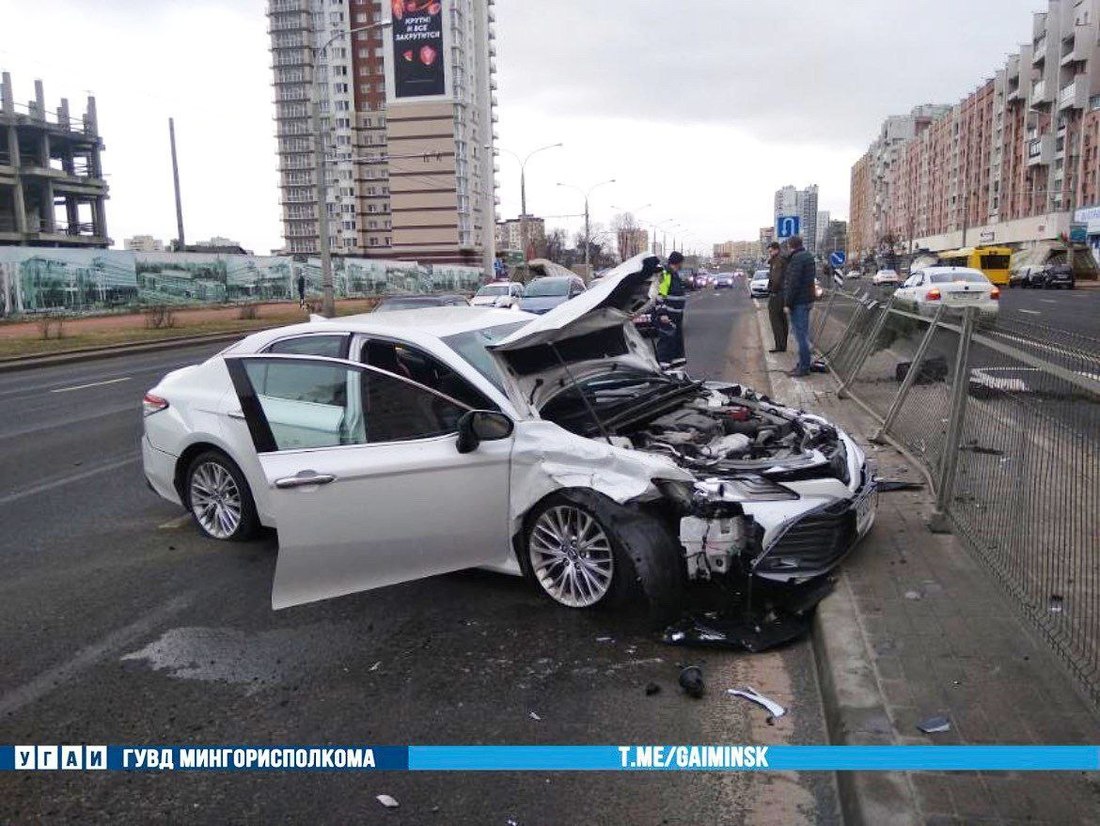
(883,277)
(498,294)
(758,287)
(387,448)
(954,287)
(854,274)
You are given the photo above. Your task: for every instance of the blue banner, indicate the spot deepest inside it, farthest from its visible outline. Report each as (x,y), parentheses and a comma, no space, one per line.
(548,758)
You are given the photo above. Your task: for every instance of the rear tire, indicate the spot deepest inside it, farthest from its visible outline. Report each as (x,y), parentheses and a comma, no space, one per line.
(637,566)
(219,499)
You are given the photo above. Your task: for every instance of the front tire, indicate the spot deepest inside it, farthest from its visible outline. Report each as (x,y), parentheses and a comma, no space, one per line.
(219,498)
(586,551)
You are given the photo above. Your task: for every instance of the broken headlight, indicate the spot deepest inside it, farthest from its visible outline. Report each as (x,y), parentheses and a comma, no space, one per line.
(745,489)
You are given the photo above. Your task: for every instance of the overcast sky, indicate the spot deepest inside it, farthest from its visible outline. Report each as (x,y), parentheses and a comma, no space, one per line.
(701,109)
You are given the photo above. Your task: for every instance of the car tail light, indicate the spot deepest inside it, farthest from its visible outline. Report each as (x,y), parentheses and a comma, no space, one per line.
(995,293)
(153,404)
(934,294)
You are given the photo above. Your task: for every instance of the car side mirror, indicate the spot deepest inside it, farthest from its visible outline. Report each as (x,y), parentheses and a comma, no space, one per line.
(479,426)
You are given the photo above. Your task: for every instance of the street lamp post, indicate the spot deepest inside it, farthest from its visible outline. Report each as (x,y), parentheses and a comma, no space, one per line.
(523,190)
(328,305)
(587,226)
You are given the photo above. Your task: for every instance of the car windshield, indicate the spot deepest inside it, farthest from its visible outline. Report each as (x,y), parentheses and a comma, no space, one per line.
(472,347)
(761,275)
(548,288)
(493,290)
(951,277)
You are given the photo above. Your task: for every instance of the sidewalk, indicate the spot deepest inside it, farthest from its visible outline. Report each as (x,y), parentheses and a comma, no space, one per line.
(917,628)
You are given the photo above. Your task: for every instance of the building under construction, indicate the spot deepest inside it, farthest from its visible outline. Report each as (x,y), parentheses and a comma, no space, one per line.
(52,189)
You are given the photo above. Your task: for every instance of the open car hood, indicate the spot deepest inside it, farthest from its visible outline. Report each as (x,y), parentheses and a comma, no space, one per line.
(608,304)
(585,335)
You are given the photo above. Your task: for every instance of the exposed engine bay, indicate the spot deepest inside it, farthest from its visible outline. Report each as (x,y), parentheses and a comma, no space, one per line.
(750,457)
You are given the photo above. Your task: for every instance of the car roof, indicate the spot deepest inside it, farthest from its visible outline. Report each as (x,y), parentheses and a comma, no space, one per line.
(422,299)
(940,269)
(412,325)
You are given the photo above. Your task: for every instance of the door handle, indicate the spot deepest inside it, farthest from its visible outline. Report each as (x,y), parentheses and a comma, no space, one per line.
(304,479)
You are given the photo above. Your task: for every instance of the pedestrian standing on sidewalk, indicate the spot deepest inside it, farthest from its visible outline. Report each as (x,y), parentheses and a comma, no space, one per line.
(800,277)
(301,290)
(672,291)
(776,311)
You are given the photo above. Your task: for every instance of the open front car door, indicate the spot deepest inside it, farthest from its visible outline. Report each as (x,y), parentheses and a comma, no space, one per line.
(367,481)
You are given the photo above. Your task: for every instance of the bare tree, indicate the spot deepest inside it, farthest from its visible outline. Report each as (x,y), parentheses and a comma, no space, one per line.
(627,235)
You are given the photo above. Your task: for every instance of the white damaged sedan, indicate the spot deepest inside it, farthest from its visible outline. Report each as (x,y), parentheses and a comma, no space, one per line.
(388,448)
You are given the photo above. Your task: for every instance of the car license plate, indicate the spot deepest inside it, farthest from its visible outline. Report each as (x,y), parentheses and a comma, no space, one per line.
(866,506)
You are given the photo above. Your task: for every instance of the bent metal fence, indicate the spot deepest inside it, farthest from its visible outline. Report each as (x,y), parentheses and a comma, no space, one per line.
(1005,417)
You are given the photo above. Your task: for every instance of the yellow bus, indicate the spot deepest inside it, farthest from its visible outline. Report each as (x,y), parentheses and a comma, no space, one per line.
(995,262)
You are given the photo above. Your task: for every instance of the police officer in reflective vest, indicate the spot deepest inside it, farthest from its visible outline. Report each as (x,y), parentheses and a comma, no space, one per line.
(672,292)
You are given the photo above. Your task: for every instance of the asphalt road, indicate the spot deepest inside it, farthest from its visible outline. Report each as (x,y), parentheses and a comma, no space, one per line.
(119,624)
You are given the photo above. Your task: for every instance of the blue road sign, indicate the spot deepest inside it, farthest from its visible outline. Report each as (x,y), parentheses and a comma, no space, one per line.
(838,258)
(787,226)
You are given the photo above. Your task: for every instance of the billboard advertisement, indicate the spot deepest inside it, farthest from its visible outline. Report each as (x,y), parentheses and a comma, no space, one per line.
(38,279)
(418,54)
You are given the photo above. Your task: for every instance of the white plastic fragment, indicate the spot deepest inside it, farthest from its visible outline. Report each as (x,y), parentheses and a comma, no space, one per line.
(387,801)
(535,716)
(752,695)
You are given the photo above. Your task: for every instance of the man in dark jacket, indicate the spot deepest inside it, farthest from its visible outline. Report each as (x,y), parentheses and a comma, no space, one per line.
(800,276)
(776,311)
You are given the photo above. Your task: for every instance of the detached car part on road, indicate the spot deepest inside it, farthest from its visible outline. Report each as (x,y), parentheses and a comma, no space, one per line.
(387,448)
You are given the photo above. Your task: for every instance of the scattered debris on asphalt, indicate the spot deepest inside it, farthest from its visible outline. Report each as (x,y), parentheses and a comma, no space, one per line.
(387,801)
(819,366)
(651,689)
(1057,603)
(376,666)
(711,630)
(892,485)
(934,725)
(691,681)
(535,717)
(983,451)
(933,370)
(775,710)
(605,639)
(915,595)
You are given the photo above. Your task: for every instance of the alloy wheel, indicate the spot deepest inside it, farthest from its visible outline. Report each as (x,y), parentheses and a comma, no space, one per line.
(571,556)
(215,499)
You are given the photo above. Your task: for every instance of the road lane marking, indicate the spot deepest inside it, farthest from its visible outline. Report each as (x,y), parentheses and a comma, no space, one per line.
(93,384)
(45,487)
(1031,312)
(1048,301)
(87,657)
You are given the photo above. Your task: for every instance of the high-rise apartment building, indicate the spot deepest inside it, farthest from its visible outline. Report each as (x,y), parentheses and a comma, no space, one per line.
(823,218)
(406,95)
(1007,165)
(803,203)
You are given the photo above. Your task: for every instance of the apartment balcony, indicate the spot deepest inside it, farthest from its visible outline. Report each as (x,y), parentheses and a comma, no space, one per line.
(1012,69)
(1015,94)
(1040,152)
(1039,55)
(1075,46)
(1042,95)
(1074,96)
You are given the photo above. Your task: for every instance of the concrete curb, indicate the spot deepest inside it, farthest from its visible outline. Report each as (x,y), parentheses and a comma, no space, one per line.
(12,365)
(855,706)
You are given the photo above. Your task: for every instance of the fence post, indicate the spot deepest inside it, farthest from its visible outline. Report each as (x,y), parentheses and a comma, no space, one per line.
(949,460)
(910,378)
(865,351)
(825,316)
